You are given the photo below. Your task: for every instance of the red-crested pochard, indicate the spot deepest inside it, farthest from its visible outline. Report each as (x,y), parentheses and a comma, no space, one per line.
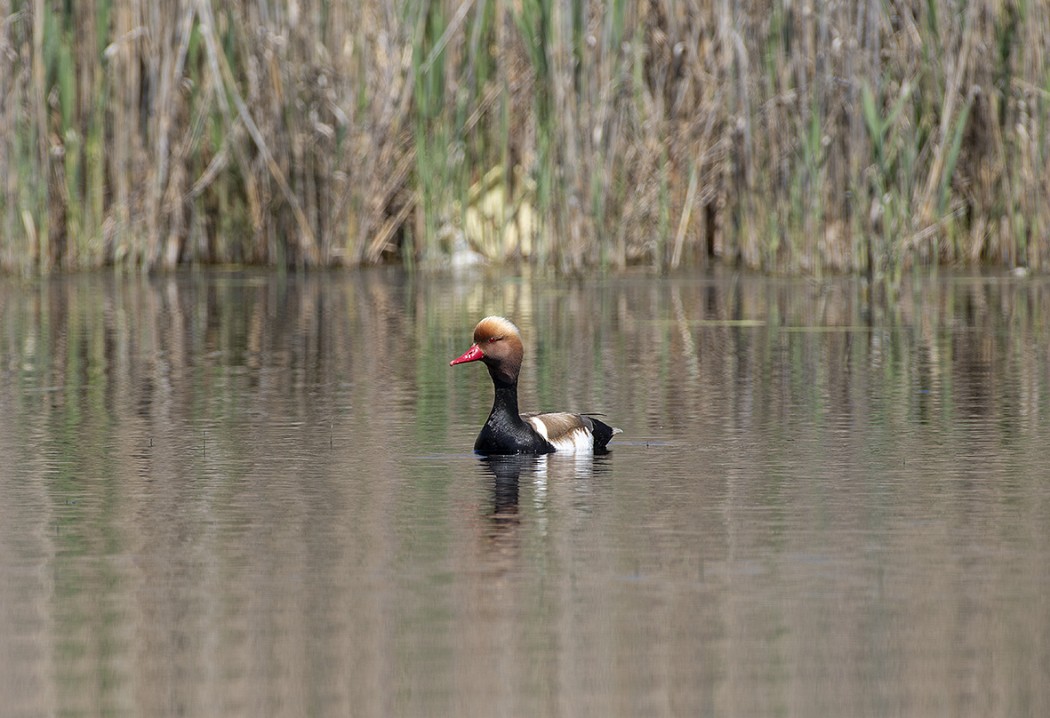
(497,343)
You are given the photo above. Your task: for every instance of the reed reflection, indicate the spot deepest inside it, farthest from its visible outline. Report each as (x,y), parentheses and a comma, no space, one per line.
(229,467)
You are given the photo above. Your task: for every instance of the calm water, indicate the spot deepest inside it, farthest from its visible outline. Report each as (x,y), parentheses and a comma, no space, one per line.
(232,494)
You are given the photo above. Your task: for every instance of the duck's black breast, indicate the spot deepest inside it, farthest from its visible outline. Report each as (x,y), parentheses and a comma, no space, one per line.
(502,435)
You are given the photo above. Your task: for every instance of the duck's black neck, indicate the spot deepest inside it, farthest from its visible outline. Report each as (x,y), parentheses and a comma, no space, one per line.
(506,432)
(506,398)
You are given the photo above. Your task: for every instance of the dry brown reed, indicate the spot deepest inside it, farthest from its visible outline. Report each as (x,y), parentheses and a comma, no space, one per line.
(845,136)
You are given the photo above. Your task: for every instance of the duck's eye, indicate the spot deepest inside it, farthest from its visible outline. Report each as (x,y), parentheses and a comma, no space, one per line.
(494,339)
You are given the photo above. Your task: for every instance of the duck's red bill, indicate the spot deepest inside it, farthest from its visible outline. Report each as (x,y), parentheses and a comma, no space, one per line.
(472,354)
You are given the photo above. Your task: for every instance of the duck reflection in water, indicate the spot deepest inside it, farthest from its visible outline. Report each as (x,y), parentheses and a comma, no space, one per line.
(508,472)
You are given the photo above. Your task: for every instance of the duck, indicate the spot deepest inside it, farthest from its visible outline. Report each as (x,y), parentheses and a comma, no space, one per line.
(497,344)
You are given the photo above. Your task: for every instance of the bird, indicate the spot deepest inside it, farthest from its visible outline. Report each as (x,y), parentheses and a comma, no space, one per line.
(497,343)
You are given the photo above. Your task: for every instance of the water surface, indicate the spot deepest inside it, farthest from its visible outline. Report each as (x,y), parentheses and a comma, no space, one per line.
(240,494)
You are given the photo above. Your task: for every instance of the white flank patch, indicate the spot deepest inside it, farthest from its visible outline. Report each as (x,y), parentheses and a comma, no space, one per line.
(577,440)
(538,426)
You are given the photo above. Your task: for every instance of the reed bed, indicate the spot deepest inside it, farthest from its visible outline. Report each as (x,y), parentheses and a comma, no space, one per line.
(866,136)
